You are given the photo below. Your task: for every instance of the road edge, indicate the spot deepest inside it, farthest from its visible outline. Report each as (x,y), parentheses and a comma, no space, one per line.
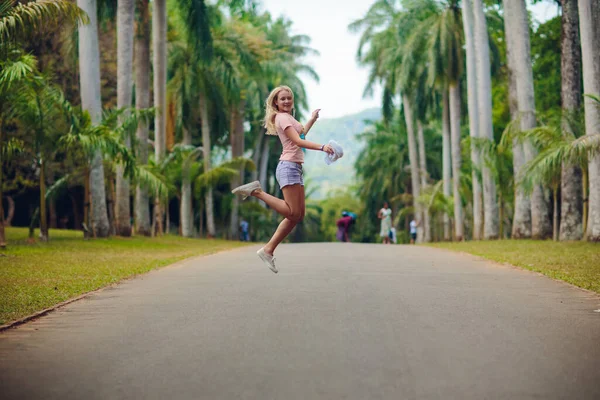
(39,314)
(509,265)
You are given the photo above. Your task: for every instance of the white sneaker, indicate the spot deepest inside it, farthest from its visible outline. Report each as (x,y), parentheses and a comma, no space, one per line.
(267,259)
(247,189)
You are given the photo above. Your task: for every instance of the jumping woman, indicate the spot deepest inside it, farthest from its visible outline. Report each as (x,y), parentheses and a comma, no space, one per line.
(279,121)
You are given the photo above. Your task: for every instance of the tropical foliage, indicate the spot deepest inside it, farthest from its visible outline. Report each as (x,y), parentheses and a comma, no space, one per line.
(470,149)
(221,61)
(415,49)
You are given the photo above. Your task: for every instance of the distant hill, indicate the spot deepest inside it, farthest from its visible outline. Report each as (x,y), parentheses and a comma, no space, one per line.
(344,131)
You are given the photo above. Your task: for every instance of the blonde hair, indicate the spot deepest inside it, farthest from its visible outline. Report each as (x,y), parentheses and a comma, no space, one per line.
(271,109)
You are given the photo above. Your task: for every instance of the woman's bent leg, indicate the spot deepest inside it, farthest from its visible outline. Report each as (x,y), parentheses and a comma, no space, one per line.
(294,198)
(280,206)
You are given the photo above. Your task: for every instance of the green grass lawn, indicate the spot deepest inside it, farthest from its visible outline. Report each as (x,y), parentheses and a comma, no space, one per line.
(574,262)
(37,276)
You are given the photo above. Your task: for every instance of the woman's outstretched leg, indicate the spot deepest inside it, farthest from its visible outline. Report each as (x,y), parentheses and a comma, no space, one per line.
(280,206)
(254,189)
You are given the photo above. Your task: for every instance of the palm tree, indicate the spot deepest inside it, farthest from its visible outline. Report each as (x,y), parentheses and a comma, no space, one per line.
(394,65)
(446,65)
(89,67)
(382,166)
(198,39)
(142,101)
(18,22)
(467,15)
(560,148)
(15,71)
(84,138)
(125,35)
(571,198)
(522,211)
(519,49)
(590,50)
(453,48)
(484,96)
(159,44)
(446,159)
(424,175)
(38,104)
(250,48)
(497,158)
(412,156)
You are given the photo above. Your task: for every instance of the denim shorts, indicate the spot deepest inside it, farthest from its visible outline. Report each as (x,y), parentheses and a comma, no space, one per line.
(289,173)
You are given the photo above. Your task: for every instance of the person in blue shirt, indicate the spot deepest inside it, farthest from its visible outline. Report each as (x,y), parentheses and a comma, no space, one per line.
(244,228)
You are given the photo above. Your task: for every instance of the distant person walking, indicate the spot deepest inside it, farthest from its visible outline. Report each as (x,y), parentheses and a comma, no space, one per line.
(279,120)
(385,215)
(413,231)
(244,228)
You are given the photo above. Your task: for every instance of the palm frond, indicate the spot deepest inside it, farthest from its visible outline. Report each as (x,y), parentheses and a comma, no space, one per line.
(240,162)
(19,20)
(58,187)
(12,148)
(594,97)
(215,177)
(149,178)
(545,168)
(17,67)
(403,213)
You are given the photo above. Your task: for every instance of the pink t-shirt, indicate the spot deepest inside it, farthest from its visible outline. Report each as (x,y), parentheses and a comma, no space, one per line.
(290,152)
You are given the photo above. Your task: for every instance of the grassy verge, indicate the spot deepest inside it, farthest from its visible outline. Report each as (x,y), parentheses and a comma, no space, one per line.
(574,262)
(37,276)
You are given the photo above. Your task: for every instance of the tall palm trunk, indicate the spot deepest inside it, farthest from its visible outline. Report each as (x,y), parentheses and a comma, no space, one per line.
(571,202)
(210,216)
(446,161)
(414,164)
(256,156)
(264,164)
(2,221)
(142,100)
(89,71)
(486,131)
(423,175)
(10,214)
(541,227)
(87,199)
(186,212)
(159,44)
(555,212)
(237,150)
(459,230)
(590,50)
(521,228)
(467,16)
(110,202)
(125,17)
(43,203)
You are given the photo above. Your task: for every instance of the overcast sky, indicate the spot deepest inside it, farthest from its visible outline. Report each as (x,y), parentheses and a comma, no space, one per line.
(342,80)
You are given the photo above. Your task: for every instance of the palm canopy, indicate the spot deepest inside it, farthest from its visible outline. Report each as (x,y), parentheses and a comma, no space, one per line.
(394,36)
(558,148)
(381,166)
(20,20)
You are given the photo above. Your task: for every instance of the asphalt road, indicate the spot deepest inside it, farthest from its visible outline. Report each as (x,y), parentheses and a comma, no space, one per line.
(339,321)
